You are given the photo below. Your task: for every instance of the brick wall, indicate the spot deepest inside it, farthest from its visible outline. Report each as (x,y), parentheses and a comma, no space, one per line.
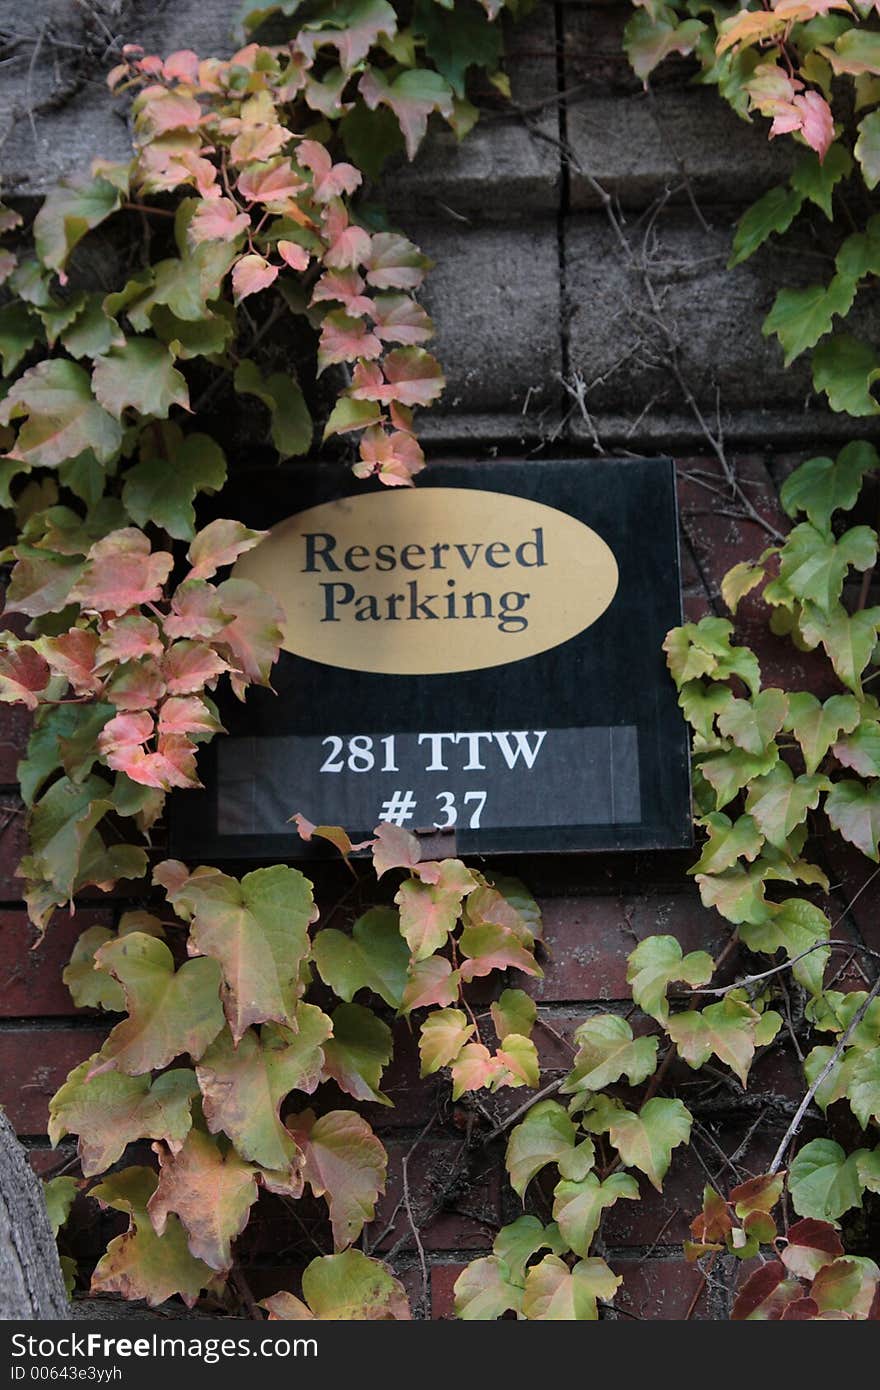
(556,340)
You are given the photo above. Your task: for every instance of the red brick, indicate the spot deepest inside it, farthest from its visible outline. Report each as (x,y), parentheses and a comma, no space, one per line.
(46,1162)
(33,1064)
(658,1290)
(30,973)
(443,1279)
(471,1214)
(15,727)
(13,844)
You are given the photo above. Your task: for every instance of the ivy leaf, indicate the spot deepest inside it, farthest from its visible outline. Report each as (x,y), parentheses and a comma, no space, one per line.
(519,1057)
(431,981)
(395,263)
(59,1194)
(578,1206)
(170,1012)
(210,1191)
(644,1140)
(515,1244)
(606,1052)
(863,1090)
(546,1135)
(91,987)
(861,750)
(753,723)
(71,209)
(867,148)
(92,333)
(162,490)
(251,274)
(493,946)
(765,1294)
(817,726)
(291,425)
(701,703)
(704,649)
(799,318)
(655,964)
(457,39)
(854,810)
(141,376)
(774,212)
(62,417)
(728,842)
(822,486)
(443,1035)
(257,930)
(348,1287)
(725,1030)
(19,330)
(344,1162)
(796,926)
(649,38)
(60,825)
(374,957)
(845,369)
(412,96)
(811,1245)
(141,1264)
(219,544)
(555,1292)
(485,1291)
(24,673)
(358,1052)
(121,573)
(412,377)
(243,1087)
(110,1110)
(825,1183)
(514,1012)
(848,639)
(813,567)
(430,911)
(779,802)
(816,179)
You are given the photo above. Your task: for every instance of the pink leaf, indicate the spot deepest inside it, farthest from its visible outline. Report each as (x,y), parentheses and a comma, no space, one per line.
(219,544)
(329,180)
(121,573)
(23,674)
(73,654)
(128,639)
(274,185)
(399,319)
(251,274)
(412,377)
(348,247)
(190,666)
(187,714)
(294,255)
(394,458)
(344,339)
(217,219)
(345,287)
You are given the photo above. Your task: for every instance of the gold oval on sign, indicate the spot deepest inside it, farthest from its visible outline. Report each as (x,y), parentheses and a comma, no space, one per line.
(432,580)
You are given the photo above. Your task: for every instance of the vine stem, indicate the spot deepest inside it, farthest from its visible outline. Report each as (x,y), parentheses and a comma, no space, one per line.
(826,1071)
(786,965)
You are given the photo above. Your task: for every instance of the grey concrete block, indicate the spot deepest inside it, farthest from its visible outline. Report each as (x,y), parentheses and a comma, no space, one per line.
(619,350)
(494,297)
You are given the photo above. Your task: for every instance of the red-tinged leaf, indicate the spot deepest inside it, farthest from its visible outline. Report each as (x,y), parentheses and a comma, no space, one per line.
(187,714)
(353,33)
(128,639)
(801,1310)
(158,110)
(811,1244)
(766,1294)
(344,1162)
(63,419)
(412,96)
(393,458)
(412,377)
(430,981)
(251,274)
(329,180)
(344,339)
(428,913)
(258,143)
(23,673)
(140,376)
(182,66)
(399,319)
(217,219)
(443,1035)
(348,246)
(41,583)
(190,666)
(345,287)
(475,1068)
(74,655)
(173,764)
(394,848)
(348,1287)
(713,1222)
(335,834)
(219,544)
(757,1194)
(294,255)
(170,1012)
(135,685)
(394,263)
(212,1193)
(124,733)
(252,640)
(121,573)
(195,612)
(141,1264)
(809,113)
(110,1111)
(8,262)
(274,184)
(493,947)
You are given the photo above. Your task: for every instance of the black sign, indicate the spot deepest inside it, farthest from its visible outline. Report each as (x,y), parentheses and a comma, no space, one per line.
(480,655)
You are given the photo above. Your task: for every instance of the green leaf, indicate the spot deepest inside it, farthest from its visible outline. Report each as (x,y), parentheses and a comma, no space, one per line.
(291,425)
(59,1194)
(704,649)
(701,703)
(370,138)
(485,1291)
(458,39)
(816,179)
(110,1110)
(555,1292)
(546,1135)
(727,843)
(644,1140)
(652,35)
(725,1030)
(813,566)
(774,212)
(515,1244)
(243,1087)
(63,419)
(412,96)
(60,824)
(514,1012)
(348,1287)
(854,811)
(141,376)
(443,1035)
(728,771)
(845,370)
(794,926)
(92,333)
(859,254)
(823,1182)
(860,750)
(257,930)
(374,957)
(170,1012)
(141,1264)
(779,802)
(345,1162)
(655,964)
(867,148)
(606,1052)
(358,1052)
(162,490)
(578,1206)
(71,209)
(90,987)
(817,726)
(863,1090)
(752,724)
(19,330)
(820,487)
(799,318)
